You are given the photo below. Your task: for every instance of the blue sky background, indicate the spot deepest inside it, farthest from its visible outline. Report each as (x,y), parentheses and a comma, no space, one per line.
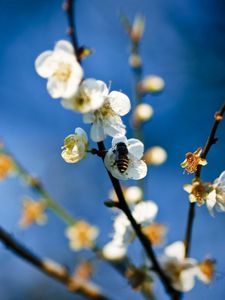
(184,43)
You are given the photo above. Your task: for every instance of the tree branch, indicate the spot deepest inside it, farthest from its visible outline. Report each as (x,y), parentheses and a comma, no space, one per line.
(211,140)
(49,267)
(146,243)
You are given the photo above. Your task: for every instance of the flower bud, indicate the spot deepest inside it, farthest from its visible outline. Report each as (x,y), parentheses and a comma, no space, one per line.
(137,28)
(135,61)
(6,165)
(151,84)
(155,156)
(142,113)
(133,194)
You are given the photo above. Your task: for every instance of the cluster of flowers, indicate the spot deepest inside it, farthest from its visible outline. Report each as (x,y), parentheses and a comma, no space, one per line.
(103,110)
(144,212)
(100,107)
(182,271)
(211,194)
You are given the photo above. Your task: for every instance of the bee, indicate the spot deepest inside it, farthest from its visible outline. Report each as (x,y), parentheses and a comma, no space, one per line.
(122,159)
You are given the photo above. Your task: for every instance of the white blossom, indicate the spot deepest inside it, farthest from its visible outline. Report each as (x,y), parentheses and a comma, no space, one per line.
(212,194)
(89,97)
(137,168)
(219,186)
(61,68)
(75,146)
(114,251)
(182,271)
(133,194)
(144,213)
(106,120)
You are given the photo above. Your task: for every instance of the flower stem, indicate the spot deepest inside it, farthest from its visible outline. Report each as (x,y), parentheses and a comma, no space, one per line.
(211,140)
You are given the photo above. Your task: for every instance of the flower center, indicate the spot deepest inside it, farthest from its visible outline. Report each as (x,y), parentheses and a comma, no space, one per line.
(81,100)
(104,112)
(63,72)
(192,162)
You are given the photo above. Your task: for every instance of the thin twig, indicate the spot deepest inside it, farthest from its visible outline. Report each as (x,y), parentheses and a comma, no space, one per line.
(68,7)
(211,140)
(49,267)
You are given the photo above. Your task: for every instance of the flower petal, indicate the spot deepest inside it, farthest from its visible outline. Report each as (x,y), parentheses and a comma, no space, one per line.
(192,198)
(186,280)
(137,169)
(175,250)
(80,132)
(145,212)
(220,182)
(44,64)
(64,46)
(88,117)
(198,151)
(211,201)
(55,87)
(97,132)
(114,126)
(74,80)
(136,148)
(184,164)
(202,162)
(112,251)
(92,85)
(119,102)
(119,139)
(187,188)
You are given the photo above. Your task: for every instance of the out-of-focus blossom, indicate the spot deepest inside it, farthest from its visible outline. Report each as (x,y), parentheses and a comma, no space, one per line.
(107,119)
(155,233)
(33,212)
(212,194)
(155,156)
(144,213)
(81,235)
(219,186)
(89,97)
(138,27)
(207,270)
(135,60)
(7,165)
(81,280)
(193,160)
(62,69)
(143,112)
(132,194)
(75,146)
(182,271)
(151,84)
(137,277)
(114,251)
(135,167)
(199,191)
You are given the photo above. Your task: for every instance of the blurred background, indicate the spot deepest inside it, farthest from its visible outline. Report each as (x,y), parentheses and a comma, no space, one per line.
(184,43)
